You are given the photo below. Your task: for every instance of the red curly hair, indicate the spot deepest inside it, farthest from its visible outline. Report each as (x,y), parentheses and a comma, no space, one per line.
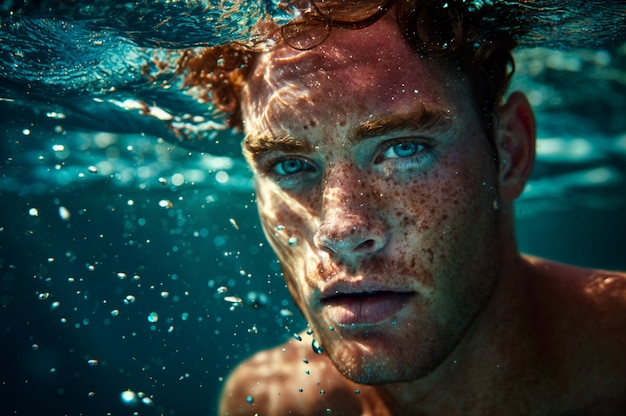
(478,40)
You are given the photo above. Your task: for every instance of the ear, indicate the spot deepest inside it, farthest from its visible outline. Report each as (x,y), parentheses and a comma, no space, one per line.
(515,141)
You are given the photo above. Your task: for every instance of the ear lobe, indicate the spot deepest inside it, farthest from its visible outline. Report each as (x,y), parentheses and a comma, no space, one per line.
(515,140)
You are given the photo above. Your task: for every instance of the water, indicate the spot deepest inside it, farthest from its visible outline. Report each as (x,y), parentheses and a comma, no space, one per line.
(134,271)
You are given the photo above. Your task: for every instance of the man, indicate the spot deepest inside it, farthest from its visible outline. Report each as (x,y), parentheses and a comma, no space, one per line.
(386,172)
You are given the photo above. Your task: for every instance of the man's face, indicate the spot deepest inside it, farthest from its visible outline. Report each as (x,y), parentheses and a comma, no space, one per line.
(376,187)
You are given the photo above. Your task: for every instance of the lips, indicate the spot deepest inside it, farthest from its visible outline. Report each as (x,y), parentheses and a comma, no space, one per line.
(364,307)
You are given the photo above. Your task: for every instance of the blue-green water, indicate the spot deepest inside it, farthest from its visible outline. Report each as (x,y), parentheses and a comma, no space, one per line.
(122,253)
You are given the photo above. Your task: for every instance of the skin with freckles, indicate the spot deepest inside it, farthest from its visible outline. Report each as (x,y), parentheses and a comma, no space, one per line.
(392,218)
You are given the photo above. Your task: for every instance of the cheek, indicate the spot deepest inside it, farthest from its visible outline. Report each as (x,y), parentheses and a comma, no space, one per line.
(289,227)
(438,215)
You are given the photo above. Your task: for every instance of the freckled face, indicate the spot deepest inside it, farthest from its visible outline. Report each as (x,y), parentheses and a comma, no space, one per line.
(375,186)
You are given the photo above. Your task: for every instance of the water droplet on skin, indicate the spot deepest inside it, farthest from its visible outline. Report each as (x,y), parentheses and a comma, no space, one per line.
(317,348)
(322,392)
(357,391)
(332,328)
(249,399)
(293,241)
(280,227)
(297,337)
(300,389)
(309,331)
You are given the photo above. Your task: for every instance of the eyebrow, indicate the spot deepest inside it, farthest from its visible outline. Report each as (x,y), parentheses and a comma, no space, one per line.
(267,142)
(422,119)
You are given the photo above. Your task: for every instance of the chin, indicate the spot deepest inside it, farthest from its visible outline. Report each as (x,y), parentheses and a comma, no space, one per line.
(379,358)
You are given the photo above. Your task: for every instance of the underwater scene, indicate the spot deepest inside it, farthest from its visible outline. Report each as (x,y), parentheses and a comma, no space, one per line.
(134,273)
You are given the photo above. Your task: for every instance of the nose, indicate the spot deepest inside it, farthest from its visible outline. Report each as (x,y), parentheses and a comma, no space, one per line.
(350,228)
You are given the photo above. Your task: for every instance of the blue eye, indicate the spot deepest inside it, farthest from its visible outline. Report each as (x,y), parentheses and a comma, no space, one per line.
(402,150)
(290,167)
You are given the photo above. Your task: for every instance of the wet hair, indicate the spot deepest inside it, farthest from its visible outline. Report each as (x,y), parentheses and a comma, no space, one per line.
(478,40)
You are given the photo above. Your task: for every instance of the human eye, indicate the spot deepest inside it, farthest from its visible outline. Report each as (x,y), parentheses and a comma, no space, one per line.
(402,150)
(287,168)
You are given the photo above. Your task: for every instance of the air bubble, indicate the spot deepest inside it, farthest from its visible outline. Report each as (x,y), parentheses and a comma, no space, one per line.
(92,362)
(233,299)
(222,290)
(166,203)
(153,317)
(129,397)
(64,213)
(317,348)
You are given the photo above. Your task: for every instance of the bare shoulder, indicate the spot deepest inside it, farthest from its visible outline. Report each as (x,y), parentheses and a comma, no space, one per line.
(598,293)
(581,316)
(289,379)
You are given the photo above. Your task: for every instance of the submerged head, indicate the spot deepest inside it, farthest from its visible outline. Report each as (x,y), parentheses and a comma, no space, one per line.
(385,174)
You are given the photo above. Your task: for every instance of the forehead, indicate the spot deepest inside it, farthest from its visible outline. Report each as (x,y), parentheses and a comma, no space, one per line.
(357,71)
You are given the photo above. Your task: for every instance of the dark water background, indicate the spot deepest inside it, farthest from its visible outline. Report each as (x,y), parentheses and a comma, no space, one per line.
(99,231)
